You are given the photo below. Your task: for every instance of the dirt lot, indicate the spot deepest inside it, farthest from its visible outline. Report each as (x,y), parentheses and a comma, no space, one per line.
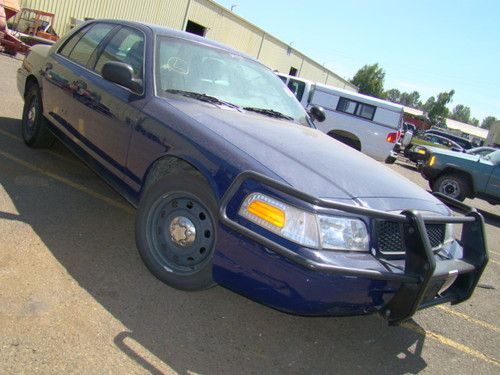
(75,297)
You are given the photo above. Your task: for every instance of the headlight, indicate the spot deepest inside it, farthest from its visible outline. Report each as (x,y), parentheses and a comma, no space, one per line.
(343,233)
(305,228)
(421,150)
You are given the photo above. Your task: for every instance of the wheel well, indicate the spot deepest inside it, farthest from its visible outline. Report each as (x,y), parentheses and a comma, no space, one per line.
(463,174)
(165,166)
(30,81)
(347,138)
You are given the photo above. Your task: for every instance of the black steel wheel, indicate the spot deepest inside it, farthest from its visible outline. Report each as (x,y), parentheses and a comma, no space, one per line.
(35,131)
(176,231)
(452,185)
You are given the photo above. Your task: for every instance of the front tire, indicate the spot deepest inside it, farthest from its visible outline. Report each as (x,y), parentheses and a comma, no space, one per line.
(452,185)
(34,126)
(176,231)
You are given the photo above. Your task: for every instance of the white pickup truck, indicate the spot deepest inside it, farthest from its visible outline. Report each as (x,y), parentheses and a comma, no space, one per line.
(370,125)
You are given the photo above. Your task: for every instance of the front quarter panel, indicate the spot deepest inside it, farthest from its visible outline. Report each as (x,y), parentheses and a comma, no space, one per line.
(167,131)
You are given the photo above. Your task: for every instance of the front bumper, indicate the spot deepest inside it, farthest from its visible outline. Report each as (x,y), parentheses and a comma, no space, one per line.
(430,173)
(399,291)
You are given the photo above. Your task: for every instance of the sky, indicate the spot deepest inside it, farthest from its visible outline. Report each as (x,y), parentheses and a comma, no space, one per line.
(423,45)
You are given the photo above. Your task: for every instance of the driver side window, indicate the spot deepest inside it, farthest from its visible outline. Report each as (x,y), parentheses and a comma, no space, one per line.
(126,46)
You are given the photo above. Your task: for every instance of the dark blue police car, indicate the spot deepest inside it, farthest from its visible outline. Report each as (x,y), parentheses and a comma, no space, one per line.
(233,183)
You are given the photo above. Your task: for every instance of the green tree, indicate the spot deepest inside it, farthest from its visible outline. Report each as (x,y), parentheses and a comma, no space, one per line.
(474,121)
(461,113)
(410,99)
(393,95)
(436,109)
(487,122)
(370,80)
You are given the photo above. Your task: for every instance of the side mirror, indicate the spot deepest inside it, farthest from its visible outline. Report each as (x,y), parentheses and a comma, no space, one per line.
(121,74)
(317,113)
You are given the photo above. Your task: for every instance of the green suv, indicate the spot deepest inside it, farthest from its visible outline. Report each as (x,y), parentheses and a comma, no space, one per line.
(461,175)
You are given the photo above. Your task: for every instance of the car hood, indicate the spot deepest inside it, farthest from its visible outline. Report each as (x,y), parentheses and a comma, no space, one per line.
(311,161)
(453,154)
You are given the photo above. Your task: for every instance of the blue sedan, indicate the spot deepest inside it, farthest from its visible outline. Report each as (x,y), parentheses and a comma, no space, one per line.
(233,183)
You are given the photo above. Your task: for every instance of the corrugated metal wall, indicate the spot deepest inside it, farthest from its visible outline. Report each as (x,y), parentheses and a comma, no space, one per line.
(222,25)
(168,13)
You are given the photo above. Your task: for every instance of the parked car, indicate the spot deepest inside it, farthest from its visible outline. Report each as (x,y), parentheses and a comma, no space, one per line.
(418,151)
(462,175)
(462,142)
(233,183)
(367,124)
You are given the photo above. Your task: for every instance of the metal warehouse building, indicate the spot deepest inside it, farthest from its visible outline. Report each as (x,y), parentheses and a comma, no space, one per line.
(202,17)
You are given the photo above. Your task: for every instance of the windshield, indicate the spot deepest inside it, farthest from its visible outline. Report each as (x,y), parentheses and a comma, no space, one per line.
(482,151)
(494,157)
(189,67)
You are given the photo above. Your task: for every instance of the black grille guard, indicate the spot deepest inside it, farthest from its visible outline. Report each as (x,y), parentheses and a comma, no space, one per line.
(422,277)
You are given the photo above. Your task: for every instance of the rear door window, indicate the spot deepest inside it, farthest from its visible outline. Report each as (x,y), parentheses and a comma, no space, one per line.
(87,44)
(70,44)
(126,46)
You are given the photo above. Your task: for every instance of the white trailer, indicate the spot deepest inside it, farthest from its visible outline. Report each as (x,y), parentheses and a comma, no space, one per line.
(370,125)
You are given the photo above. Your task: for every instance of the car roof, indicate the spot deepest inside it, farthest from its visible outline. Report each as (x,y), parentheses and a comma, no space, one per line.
(166,31)
(445,138)
(445,134)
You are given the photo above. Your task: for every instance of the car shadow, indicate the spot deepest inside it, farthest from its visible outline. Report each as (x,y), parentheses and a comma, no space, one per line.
(407,165)
(18,56)
(214,331)
(490,218)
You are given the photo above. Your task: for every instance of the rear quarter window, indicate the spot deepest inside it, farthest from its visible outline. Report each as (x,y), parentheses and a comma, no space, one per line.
(355,108)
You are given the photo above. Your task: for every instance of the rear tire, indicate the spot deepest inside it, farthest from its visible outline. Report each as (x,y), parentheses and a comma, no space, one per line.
(452,185)
(176,231)
(34,126)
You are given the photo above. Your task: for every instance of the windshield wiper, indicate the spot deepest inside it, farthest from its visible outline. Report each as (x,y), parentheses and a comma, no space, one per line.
(202,97)
(268,112)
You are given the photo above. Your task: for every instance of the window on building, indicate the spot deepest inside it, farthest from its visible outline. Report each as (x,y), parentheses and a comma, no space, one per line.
(126,46)
(195,28)
(293,71)
(356,108)
(87,44)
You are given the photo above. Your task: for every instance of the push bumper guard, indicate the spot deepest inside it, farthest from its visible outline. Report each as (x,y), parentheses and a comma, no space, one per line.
(423,277)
